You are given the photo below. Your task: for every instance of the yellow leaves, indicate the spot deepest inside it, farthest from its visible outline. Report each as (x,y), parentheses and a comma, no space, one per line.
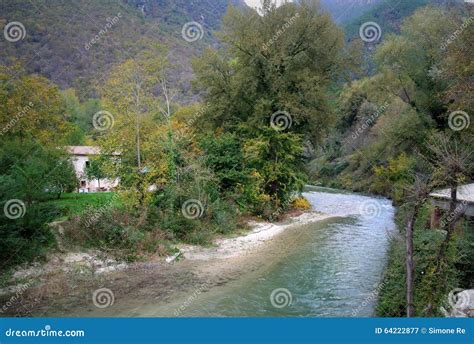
(255,149)
(301,203)
(264,198)
(32,106)
(393,178)
(396,166)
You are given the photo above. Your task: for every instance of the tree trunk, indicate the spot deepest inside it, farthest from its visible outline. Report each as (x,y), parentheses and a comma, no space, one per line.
(409,262)
(449,229)
(137,125)
(435,218)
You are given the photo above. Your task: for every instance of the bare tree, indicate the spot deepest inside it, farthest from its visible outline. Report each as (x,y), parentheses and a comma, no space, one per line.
(167,113)
(417,195)
(137,86)
(452,164)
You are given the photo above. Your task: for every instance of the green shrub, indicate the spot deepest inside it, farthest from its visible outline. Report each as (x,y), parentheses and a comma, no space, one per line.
(392,180)
(26,238)
(223,155)
(111,230)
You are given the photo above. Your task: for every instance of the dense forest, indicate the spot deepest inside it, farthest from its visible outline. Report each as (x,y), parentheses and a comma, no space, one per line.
(216,128)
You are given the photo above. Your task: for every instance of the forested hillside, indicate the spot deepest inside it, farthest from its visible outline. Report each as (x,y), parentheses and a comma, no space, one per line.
(390,15)
(385,119)
(60,36)
(343,11)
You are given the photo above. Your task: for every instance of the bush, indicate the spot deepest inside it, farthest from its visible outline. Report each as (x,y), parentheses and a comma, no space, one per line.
(393,179)
(26,238)
(301,203)
(223,216)
(223,155)
(111,230)
(30,174)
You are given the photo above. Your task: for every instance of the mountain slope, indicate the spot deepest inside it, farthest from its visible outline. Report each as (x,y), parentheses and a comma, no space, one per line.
(74,43)
(388,15)
(343,11)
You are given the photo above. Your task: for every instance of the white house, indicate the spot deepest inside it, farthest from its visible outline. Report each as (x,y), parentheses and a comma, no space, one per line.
(80,157)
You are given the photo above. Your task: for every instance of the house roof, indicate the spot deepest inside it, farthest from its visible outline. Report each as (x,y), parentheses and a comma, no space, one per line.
(465,193)
(85,150)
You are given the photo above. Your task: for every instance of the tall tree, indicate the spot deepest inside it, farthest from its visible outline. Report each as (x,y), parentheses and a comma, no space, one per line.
(283,60)
(130,102)
(269,85)
(31,107)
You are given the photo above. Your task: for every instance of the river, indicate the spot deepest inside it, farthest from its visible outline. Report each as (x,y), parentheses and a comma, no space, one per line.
(329,268)
(332,268)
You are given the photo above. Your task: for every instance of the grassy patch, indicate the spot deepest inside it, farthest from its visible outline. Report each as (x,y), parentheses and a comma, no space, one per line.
(75,204)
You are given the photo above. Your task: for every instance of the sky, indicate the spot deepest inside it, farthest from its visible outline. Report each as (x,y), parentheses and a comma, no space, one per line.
(256,3)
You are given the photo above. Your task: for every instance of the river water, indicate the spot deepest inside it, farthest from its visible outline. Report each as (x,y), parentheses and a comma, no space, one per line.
(332,268)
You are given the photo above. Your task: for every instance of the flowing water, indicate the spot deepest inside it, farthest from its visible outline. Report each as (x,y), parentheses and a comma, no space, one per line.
(332,268)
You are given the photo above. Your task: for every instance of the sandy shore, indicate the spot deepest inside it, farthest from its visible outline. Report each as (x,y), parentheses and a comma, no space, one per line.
(156,284)
(261,232)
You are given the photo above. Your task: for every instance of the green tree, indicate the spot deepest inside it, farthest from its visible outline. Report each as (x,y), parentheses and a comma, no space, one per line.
(30,174)
(223,154)
(276,65)
(35,172)
(95,170)
(281,61)
(128,96)
(31,107)
(80,114)
(410,63)
(277,158)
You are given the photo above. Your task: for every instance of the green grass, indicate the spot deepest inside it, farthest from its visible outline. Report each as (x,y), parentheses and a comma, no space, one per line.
(74,204)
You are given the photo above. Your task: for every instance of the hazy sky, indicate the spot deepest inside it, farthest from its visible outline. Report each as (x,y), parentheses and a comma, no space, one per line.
(256,3)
